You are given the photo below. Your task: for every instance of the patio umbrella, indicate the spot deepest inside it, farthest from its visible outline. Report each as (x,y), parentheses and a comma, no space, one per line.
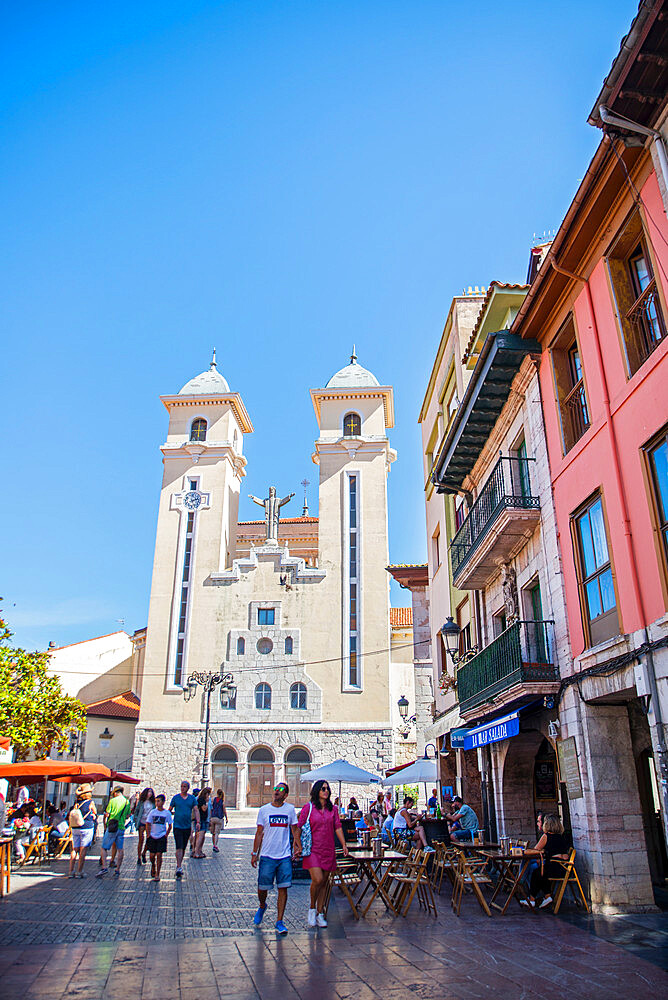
(54,770)
(424,769)
(341,771)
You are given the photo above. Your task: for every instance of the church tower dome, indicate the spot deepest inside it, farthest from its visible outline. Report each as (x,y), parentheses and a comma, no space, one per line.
(209,383)
(353,376)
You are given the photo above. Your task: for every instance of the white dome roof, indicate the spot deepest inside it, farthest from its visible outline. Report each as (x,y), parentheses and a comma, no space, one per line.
(209,383)
(353,376)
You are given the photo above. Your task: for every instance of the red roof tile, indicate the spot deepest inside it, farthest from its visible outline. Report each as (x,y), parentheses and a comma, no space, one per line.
(401,616)
(121,706)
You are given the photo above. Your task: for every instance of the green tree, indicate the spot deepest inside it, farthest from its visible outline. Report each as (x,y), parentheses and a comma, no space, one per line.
(35,713)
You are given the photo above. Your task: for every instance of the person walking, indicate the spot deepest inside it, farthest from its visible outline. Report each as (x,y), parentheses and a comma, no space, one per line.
(218,817)
(325,823)
(144,805)
(203,809)
(158,825)
(271,849)
(183,808)
(115,815)
(82,818)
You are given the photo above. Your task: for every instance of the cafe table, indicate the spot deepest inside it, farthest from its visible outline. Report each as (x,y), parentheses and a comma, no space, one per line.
(511,869)
(374,876)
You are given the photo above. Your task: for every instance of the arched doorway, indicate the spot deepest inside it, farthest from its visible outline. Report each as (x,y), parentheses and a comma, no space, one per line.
(224,773)
(260,776)
(297,762)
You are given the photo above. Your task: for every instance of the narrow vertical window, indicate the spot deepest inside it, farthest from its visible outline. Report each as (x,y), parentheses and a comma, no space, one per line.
(597,591)
(198,430)
(353,573)
(185,598)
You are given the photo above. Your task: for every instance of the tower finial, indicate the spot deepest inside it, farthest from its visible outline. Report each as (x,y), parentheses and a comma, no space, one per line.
(213,361)
(305,483)
(353,356)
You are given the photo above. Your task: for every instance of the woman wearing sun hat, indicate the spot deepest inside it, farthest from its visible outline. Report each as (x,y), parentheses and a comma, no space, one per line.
(82,818)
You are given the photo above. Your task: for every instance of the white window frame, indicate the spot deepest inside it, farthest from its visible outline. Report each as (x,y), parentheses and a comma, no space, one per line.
(346,686)
(189,483)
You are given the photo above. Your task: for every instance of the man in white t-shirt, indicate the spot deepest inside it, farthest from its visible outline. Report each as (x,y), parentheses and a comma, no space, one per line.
(272,848)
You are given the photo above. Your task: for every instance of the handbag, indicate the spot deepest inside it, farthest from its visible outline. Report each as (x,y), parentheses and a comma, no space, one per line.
(112,826)
(307,835)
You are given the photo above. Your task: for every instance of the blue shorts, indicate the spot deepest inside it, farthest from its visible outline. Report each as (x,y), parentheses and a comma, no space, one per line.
(278,868)
(113,838)
(463,835)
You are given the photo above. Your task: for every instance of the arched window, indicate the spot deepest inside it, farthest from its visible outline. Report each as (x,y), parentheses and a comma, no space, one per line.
(198,430)
(263,696)
(224,755)
(298,696)
(288,645)
(241,646)
(352,425)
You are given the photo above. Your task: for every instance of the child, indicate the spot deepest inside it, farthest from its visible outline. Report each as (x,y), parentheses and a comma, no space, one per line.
(159,823)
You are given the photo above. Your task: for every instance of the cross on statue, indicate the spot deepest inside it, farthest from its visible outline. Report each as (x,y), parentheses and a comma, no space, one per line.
(272,512)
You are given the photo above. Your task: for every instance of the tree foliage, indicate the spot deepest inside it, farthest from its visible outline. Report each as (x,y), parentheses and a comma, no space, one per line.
(35,713)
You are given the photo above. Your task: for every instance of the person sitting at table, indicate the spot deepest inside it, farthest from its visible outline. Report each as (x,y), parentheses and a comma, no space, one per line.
(359,821)
(386,831)
(466,819)
(59,827)
(551,845)
(352,805)
(377,810)
(407,827)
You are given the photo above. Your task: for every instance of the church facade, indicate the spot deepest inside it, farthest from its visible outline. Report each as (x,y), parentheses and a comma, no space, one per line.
(295,608)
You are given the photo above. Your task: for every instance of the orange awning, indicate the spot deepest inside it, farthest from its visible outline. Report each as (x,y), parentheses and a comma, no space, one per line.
(54,770)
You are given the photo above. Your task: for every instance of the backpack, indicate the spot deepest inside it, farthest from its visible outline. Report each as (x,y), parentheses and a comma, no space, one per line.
(76,818)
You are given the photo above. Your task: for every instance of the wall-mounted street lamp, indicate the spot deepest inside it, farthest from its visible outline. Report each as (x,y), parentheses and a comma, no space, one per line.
(406,723)
(451,633)
(209,681)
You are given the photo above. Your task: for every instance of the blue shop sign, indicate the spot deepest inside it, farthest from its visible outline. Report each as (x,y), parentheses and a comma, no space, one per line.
(492,732)
(457,738)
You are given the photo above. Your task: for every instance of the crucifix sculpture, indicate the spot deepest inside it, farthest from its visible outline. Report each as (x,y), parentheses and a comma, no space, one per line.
(272,512)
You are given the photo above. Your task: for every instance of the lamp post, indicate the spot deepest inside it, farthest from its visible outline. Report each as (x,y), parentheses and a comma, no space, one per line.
(209,681)
(451,633)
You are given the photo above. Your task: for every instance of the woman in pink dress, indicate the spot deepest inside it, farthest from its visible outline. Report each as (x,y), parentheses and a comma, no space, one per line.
(325,824)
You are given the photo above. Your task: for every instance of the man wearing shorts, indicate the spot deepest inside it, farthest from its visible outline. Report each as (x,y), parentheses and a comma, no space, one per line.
(271,848)
(183,808)
(115,815)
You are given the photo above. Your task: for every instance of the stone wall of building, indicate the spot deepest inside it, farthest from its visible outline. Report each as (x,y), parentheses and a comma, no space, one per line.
(164,756)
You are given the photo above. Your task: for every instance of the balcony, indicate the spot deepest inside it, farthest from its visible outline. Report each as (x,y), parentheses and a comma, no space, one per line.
(517,666)
(497,526)
(646,322)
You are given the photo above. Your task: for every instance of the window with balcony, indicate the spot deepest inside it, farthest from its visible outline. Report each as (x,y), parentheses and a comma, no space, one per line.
(569,386)
(657,459)
(597,590)
(636,295)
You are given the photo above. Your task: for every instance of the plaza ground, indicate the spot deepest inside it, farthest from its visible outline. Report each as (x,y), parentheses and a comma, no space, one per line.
(129,938)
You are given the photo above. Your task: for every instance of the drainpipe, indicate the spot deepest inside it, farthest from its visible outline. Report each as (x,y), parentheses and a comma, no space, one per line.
(657,139)
(631,559)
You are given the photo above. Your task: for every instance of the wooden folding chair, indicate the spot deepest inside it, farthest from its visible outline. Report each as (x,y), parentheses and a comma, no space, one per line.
(38,846)
(347,878)
(63,843)
(409,878)
(470,875)
(570,879)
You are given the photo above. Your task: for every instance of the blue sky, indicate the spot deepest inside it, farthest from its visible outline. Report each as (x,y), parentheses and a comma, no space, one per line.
(279,180)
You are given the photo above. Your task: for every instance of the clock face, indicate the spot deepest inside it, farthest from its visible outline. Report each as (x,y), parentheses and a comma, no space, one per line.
(192,500)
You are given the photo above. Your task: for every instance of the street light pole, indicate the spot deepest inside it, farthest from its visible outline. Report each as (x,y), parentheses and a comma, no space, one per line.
(209,681)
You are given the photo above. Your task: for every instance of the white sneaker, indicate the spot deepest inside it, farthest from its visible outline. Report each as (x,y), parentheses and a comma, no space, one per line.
(311,918)
(320,920)
(546,902)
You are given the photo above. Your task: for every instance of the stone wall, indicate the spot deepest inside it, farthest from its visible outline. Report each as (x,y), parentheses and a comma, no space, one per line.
(165,756)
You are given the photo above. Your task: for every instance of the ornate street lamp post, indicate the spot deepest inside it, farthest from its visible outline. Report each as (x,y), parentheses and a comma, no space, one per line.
(405,728)
(209,681)
(451,632)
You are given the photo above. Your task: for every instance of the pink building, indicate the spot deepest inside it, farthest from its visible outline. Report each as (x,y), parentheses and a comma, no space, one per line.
(599,308)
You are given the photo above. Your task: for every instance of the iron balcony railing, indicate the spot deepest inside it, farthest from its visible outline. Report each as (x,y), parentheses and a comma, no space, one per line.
(524,652)
(646,321)
(576,414)
(509,486)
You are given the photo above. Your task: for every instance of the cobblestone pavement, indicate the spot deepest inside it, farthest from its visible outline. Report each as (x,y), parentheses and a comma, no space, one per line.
(132,939)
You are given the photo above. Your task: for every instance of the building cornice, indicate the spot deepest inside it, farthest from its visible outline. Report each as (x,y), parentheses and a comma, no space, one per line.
(285,563)
(354,446)
(231,399)
(195,450)
(384,392)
